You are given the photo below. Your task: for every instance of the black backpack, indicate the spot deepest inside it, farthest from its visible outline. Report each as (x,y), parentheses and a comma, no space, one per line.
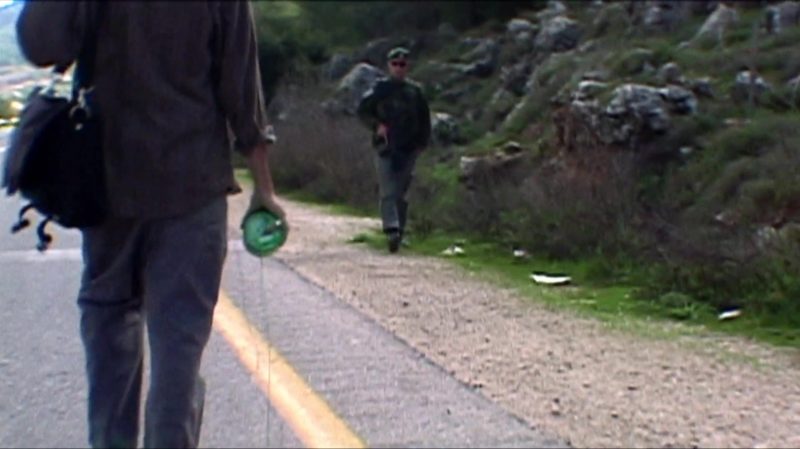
(55,158)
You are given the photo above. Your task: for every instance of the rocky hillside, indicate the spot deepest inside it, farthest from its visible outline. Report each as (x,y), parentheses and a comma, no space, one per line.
(658,134)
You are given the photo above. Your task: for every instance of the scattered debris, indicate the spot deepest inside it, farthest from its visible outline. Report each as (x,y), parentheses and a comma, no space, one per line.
(549,279)
(520,253)
(358,238)
(736,122)
(729,314)
(453,250)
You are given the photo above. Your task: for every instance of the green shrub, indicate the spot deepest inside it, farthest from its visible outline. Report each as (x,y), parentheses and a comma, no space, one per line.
(738,35)
(740,260)
(611,21)
(752,139)
(632,62)
(690,130)
(561,212)
(549,78)
(435,195)
(784,98)
(786,38)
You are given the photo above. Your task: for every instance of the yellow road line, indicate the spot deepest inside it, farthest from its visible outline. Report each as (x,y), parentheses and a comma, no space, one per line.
(311,418)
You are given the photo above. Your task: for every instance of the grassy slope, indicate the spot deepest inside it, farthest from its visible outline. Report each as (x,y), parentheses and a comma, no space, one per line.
(615,304)
(612,302)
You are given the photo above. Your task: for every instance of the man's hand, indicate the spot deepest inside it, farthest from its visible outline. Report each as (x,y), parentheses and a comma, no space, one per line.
(261,199)
(380,140)
(263,190)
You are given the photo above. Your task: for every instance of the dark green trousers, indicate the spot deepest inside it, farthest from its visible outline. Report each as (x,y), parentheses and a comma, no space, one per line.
(164,273)
(395,172)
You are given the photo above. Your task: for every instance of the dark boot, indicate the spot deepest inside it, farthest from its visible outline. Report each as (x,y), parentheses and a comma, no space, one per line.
(402,214)
(394,238)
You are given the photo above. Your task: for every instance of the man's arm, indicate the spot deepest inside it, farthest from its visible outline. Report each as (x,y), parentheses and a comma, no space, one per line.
(366,109)
(51,32)
(263,190)
(241,97)
(424,116)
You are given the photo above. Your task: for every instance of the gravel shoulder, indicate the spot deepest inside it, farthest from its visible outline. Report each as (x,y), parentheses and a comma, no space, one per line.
(572,377)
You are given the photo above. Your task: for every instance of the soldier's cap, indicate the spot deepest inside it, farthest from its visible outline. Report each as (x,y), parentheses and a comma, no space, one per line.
(398,53)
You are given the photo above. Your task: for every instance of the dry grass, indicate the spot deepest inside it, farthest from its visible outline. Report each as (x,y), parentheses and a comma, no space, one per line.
(326,156)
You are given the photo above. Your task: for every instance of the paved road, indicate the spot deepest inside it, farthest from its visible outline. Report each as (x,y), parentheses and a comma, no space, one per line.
(386,393)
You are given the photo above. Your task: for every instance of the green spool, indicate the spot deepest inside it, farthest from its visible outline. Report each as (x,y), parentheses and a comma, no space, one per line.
(263,232)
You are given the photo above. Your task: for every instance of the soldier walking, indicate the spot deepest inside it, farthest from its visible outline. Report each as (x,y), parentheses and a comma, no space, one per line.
(397,113)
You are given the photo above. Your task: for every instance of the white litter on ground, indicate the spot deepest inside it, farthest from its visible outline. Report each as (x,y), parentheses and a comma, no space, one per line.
(453,250)
(729,314)
(520,254)
(547,279)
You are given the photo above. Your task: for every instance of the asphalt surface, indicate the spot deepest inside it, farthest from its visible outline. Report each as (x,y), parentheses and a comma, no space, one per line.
(389,394)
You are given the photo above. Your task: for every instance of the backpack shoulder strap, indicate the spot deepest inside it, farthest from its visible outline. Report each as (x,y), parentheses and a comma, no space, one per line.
(95,12)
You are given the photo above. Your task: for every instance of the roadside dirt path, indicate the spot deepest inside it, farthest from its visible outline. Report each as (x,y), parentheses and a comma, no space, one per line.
(569,376)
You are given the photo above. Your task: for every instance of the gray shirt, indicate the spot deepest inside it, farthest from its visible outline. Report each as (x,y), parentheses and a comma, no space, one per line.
(177,85)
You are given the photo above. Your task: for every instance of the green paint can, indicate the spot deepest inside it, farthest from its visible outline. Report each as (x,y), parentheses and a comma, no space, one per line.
(263,232)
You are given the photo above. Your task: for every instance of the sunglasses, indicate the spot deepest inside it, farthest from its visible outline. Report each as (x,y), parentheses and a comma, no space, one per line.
(397,63)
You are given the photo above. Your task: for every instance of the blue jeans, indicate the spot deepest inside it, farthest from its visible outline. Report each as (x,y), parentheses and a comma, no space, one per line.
(165,273)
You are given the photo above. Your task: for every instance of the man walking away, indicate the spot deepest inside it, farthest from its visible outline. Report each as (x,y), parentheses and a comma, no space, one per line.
(172,81)
(398,115)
